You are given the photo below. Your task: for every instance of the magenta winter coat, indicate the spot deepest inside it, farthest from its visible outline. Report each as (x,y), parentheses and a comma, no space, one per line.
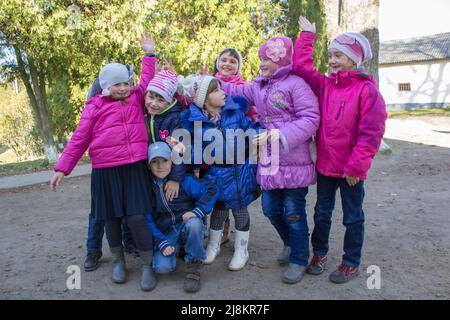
(284,101)
(114,131)
(353,115)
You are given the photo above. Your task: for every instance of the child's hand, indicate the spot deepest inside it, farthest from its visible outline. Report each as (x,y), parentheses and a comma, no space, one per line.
(172,188)
(188,215)
(175,144)
(261,139)
(167,64)
(305,25)
(147,44)
(203,71)
(352,181)
(56,180)
(168,251)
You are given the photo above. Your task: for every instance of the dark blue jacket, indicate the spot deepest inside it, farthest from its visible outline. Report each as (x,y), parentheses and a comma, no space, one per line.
(197,196)
(236,182)
(161,126)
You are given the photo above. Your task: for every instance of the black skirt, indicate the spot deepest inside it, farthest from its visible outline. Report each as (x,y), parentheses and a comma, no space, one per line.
(121,191)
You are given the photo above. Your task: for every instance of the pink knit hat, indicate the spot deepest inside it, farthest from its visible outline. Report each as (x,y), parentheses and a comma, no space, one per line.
(277,49)
(354,45)
(164,84)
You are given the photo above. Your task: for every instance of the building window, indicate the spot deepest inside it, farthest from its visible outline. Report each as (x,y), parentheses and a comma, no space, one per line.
(404,87)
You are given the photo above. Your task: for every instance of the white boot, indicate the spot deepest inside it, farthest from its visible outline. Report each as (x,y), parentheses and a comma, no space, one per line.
(213,248)
(240,256)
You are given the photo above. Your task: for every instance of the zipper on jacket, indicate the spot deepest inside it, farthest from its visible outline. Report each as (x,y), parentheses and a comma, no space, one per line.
(341,108)
(130,153)
(152,128)
(163,197)
(237,186)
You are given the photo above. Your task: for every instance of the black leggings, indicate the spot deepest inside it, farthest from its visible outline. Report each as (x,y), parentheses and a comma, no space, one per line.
(139,229)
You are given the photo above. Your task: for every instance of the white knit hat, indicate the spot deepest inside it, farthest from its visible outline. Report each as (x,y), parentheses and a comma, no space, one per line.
(354,45)
(114,73)
(195,88)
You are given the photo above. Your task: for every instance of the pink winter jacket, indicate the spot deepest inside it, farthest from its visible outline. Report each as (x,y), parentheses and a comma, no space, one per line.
(285,102)
(353,115)
(113,130)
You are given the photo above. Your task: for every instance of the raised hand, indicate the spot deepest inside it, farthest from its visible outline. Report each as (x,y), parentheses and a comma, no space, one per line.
(147,43)
(305,25)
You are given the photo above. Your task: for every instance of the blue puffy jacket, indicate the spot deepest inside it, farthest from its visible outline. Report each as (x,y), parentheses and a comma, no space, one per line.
(197,196)
(236,182)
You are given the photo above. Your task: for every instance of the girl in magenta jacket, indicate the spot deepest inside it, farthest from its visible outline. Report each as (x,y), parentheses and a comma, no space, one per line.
(352,126)
(286,103)
(112,127)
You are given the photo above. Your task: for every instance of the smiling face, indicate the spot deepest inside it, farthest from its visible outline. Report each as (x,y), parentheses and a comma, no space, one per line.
(267,67)
(215,97)
(120,91)
(160,167)
(339,61)
(228,64)
(155,103)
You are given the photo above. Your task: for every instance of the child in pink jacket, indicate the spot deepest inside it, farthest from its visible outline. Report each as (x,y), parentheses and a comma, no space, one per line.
(112,127)
(353,115)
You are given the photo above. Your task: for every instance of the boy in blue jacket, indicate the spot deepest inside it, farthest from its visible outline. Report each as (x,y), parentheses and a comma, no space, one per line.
(180,221)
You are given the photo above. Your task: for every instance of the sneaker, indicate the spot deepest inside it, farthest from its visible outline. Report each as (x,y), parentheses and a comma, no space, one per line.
(131,249)
(317,265)
(91,262)
(283,258)
(344,274)
(294,273)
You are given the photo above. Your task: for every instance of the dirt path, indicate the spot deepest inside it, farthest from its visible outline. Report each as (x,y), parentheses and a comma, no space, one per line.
(407,236)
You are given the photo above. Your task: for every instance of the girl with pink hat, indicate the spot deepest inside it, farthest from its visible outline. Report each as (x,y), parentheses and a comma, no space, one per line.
(352,126)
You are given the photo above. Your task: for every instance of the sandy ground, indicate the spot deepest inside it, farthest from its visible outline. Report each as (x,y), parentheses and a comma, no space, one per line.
(407,237)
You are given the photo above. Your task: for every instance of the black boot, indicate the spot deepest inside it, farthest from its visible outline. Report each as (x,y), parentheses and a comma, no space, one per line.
(192,277)
(148,280)
(91,262)
(118,270)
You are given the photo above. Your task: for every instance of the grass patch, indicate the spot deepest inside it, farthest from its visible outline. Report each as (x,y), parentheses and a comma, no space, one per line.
(437,112)
(9,169)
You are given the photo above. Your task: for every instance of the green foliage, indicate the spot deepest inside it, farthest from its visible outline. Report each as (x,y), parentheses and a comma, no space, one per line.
(193,32)
(68,41)
(16,125)
(314,11)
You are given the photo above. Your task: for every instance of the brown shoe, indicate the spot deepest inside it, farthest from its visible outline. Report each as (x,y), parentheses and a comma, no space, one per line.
(226,233)
(192,277)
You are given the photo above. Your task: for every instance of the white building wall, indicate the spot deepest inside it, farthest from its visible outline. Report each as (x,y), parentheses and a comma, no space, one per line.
(430,83)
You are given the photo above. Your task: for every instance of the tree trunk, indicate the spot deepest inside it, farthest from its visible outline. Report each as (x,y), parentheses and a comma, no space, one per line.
(356,15)
(38,100)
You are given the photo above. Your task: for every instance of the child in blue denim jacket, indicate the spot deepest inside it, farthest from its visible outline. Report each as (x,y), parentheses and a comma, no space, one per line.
(180,221)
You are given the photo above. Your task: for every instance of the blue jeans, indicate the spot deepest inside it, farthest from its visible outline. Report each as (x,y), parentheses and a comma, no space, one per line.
(190,234)
(286,210)
(96,229)
(352,206)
